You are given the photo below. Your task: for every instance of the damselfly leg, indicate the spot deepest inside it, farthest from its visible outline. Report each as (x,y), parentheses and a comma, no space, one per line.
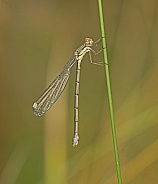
(96,43)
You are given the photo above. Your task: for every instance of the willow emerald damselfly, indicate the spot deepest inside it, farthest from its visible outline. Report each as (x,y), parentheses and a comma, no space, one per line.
(54,90)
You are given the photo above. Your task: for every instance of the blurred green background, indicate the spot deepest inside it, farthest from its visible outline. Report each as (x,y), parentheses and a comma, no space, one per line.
(37,38)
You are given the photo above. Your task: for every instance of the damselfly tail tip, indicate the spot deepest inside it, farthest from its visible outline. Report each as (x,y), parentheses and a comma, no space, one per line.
(75,140)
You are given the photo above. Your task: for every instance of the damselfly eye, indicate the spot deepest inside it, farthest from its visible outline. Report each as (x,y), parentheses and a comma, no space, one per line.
(91,42)
(88,41)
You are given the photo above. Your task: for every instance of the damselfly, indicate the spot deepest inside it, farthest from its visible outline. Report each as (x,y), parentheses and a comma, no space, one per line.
(54,90)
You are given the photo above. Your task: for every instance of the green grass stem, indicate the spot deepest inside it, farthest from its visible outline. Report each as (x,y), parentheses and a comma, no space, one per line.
(107,76)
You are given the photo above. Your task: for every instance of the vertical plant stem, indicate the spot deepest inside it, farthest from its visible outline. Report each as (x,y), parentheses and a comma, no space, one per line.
(107,76)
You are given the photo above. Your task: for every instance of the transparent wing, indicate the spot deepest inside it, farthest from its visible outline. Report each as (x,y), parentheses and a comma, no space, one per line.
(53,92)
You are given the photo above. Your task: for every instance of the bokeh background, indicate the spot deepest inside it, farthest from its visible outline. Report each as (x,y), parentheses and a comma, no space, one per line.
(37,38)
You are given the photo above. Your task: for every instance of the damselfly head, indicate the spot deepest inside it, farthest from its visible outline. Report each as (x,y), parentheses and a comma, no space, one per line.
(89,42)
